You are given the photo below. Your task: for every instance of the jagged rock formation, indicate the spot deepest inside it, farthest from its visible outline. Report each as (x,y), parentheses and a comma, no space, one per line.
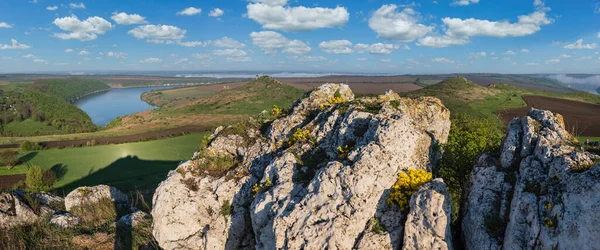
(91,195)
(543,192)
(14,211)
(315,179)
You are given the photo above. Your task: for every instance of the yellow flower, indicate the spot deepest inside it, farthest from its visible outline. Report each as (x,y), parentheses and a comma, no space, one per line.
(406,185)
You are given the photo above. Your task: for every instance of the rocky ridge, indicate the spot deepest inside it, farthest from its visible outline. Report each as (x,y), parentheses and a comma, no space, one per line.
(314,178)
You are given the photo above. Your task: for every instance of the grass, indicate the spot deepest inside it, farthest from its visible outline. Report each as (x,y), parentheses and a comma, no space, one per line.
(30,127)
(125,166)
(15,86)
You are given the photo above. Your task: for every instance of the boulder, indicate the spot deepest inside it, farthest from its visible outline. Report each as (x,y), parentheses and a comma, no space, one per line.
(428,222)
(542,193)
(133,219)
(315,180)
(65,220)
(14,211)
(91,195)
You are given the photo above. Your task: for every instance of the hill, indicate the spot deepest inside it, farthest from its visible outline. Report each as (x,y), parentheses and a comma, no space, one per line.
(69,89)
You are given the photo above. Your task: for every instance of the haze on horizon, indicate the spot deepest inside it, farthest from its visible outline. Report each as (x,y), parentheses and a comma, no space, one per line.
(428,37)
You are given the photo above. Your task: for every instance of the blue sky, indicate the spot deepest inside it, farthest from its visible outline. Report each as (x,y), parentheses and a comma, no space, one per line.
(399,37)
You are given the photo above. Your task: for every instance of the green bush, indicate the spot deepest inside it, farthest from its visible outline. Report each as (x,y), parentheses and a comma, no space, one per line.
(9,158)
(30,146)
(39,180)
(469,138)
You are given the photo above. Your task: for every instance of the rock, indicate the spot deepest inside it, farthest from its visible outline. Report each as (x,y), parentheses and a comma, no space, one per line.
(319,190)
(49,199)
(91,195)
(65,220)
(14,211)
(428,223)
(543,192)
(133,219)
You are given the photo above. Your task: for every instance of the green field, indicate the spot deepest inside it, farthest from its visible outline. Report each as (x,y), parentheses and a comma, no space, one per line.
(129,166)
(30,127)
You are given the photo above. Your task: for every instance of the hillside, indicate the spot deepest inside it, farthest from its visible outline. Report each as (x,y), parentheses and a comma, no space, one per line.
(69,89)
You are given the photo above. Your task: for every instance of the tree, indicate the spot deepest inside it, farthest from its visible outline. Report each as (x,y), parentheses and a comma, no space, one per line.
(35,179)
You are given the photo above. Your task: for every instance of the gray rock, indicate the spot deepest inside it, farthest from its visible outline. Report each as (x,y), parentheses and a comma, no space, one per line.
(15,212)
(133,219)
(428,223)
(65,220)
(92,195)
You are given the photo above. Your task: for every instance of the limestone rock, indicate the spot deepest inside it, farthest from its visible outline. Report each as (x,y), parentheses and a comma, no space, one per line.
(542,193)
(65,220)
(320,189)
(91,195)
(428,223)
(14,211)
(133,219)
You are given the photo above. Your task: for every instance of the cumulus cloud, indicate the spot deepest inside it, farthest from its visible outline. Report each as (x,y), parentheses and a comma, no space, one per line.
(477,55)
(510,53)
(83,30)
(83,53)
(151,60)
(216,12)
(227,42)
(40,61)
(119,55)
(272,42)
(397,25)
(77,6)
(69,50)
(336,47)
(29,56)
(204,57)
(552,61)
(52,8)
(275,14)
(190,11)
(442,60)
(230,53)
(193,44)
(564,56)
(5,25)
(377,48)
(158,33)
(14,45)
(579,45)
(464,2)
(128,19)
(239,59)
(309,58)
(459,31)
(532,64)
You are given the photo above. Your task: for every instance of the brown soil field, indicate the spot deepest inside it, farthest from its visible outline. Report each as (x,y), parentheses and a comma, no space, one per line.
(582,119)
(8,181)
(154,135)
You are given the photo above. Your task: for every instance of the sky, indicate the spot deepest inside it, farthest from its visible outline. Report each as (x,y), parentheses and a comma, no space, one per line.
(367,36)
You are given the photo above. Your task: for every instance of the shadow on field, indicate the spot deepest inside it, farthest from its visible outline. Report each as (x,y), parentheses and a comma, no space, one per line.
(28,157)
(126,174)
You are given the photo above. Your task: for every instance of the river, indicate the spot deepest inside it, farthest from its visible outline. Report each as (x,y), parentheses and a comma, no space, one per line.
(105,106)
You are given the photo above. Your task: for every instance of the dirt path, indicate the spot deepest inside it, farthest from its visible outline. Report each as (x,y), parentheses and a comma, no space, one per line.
(582,119)
(153,135)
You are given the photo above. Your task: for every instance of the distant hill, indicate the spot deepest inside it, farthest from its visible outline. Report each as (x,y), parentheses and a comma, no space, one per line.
(69,89)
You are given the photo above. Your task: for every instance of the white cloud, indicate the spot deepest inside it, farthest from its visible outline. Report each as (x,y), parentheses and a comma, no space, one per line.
(564,56)
(69,50)
(40,61)
(202,57)
(336,47)
(5,25)
(83,53)
(158,33)
(477,55)
(180,61)
(227,42)
(216,12)
(309,58)
(598,34)
(464,2)
(52,8)
(597,8)
(459,31)
(377,48)
(385,60)
(81,30)
(190,11)
(230,52)
(442,60)
(151,60)
(524,51)
(579,45)
(239,59)
(401,26)
(362,59)
(193,44)
(128,19)
(61,64)
(29,56)
(276,15)
(532,64)
(272,42)
(77,6)
(14,45)
(119,55)
(510,53)
(552,61)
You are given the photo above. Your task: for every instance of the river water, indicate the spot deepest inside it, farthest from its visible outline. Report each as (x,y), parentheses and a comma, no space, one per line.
(103,107)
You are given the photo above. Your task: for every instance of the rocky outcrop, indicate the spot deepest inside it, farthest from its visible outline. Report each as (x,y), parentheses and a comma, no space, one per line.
(14,210)
(92,195)
(65,220)
(316,179)
(428,223)
(543,192)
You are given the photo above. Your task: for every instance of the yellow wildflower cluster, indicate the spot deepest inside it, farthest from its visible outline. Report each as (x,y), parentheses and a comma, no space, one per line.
(300,135)
(276,111)
(261,187)
(407,184)
(343,152)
